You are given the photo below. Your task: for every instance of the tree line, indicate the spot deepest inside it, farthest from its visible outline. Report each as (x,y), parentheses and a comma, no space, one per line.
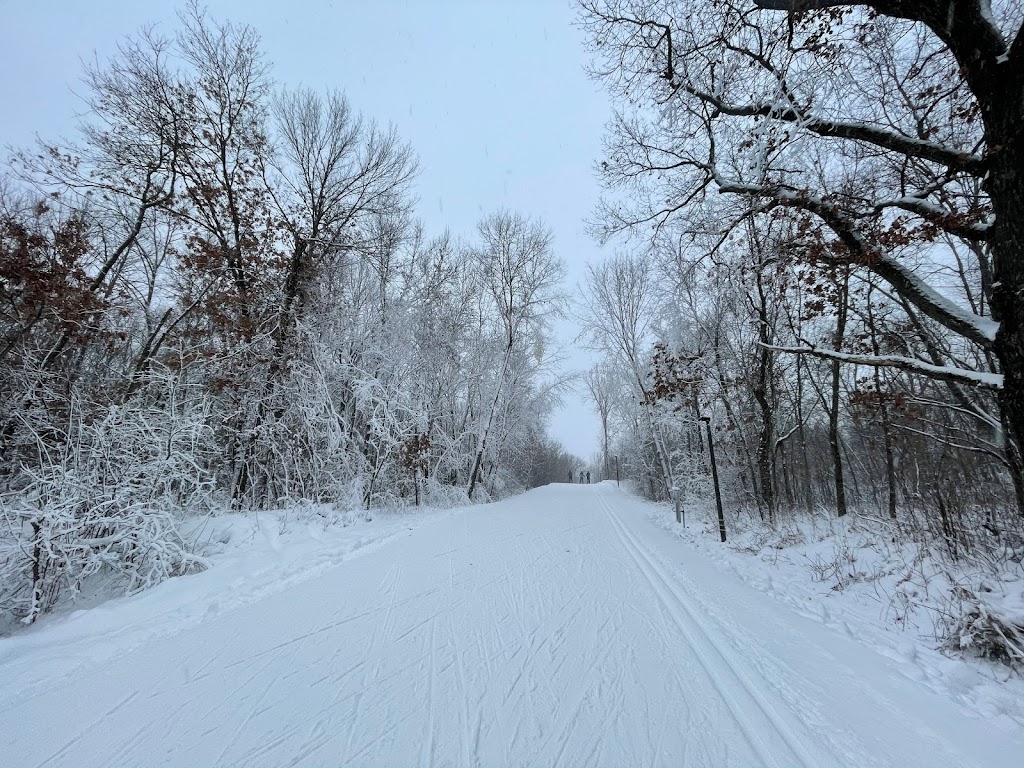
(217,293)
(817,208)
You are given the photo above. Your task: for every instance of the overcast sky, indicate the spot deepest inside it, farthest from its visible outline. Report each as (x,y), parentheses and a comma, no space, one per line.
(490,93)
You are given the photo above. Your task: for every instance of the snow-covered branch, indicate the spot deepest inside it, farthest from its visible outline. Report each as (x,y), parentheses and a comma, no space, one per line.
(979,329)
(908,364)
(949,221)
(852,130)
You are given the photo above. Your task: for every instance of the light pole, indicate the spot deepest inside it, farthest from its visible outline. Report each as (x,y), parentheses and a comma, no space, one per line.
(714,475)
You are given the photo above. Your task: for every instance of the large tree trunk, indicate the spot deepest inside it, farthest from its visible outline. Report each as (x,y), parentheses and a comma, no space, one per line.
(478,460)
(604,444)
(766,442)
(1005,185)
(762,382)
(805,463)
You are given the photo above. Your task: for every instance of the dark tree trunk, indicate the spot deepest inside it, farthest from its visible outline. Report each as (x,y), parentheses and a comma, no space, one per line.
(883,410)
(805,463)
(1006,188)
(833,416)
(37,571)
(762,383)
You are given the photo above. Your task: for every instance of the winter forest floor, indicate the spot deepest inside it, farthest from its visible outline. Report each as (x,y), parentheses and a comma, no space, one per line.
(563,626)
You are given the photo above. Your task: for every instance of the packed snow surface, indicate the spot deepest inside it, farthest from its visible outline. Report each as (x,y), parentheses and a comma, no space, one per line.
(557,628)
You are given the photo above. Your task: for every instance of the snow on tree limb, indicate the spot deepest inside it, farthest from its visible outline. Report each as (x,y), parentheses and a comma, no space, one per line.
(940,372)
(799,5)
(949,221)
(852,130)
(980,330)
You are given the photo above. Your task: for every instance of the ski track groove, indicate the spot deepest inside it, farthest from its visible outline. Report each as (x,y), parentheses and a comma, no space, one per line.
(567,725)
(427,755)
(252,713)
(379,737)
(467,758)
(654,573)
(390,583)
(85,731)
(266,747)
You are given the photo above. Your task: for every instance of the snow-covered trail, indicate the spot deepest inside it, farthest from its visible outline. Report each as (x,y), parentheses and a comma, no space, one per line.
(557,628)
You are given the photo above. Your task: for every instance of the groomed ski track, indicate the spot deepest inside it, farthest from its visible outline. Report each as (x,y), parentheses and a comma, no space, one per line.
(556,628)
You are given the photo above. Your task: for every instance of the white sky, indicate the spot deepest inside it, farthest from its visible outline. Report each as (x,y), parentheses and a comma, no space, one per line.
(490,93)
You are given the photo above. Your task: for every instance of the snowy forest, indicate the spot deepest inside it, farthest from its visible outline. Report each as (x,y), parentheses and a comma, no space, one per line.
(809,256)
(554,383)
(217,296)
(817,220)
(218,293)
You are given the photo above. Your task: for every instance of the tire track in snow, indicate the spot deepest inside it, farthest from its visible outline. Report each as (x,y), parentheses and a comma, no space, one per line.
(731,682)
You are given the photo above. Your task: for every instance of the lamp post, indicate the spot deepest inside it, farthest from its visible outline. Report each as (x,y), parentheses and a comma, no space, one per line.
(714,475)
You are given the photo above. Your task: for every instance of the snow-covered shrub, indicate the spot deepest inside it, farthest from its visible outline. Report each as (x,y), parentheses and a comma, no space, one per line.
(102,505)
(51,550)
(443,496)
(838,565)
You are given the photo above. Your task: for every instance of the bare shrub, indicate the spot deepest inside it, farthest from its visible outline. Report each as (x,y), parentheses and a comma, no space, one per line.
(983,629)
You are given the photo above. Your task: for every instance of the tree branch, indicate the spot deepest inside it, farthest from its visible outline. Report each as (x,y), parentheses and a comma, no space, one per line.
(980,330)
(799,6)
(948,221)
(908,364)
(863,132)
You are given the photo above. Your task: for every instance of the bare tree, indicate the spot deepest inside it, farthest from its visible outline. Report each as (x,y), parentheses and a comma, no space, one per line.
(890,125)
(338,173)
(619,309)
(520,274)
(601,384)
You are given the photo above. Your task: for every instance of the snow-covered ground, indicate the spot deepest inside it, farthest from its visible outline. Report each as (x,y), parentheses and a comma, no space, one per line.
(560,627)
(895,597)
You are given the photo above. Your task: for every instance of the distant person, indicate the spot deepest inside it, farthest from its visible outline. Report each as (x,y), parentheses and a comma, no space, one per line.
(570,475)
(588,478)
(581,477)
